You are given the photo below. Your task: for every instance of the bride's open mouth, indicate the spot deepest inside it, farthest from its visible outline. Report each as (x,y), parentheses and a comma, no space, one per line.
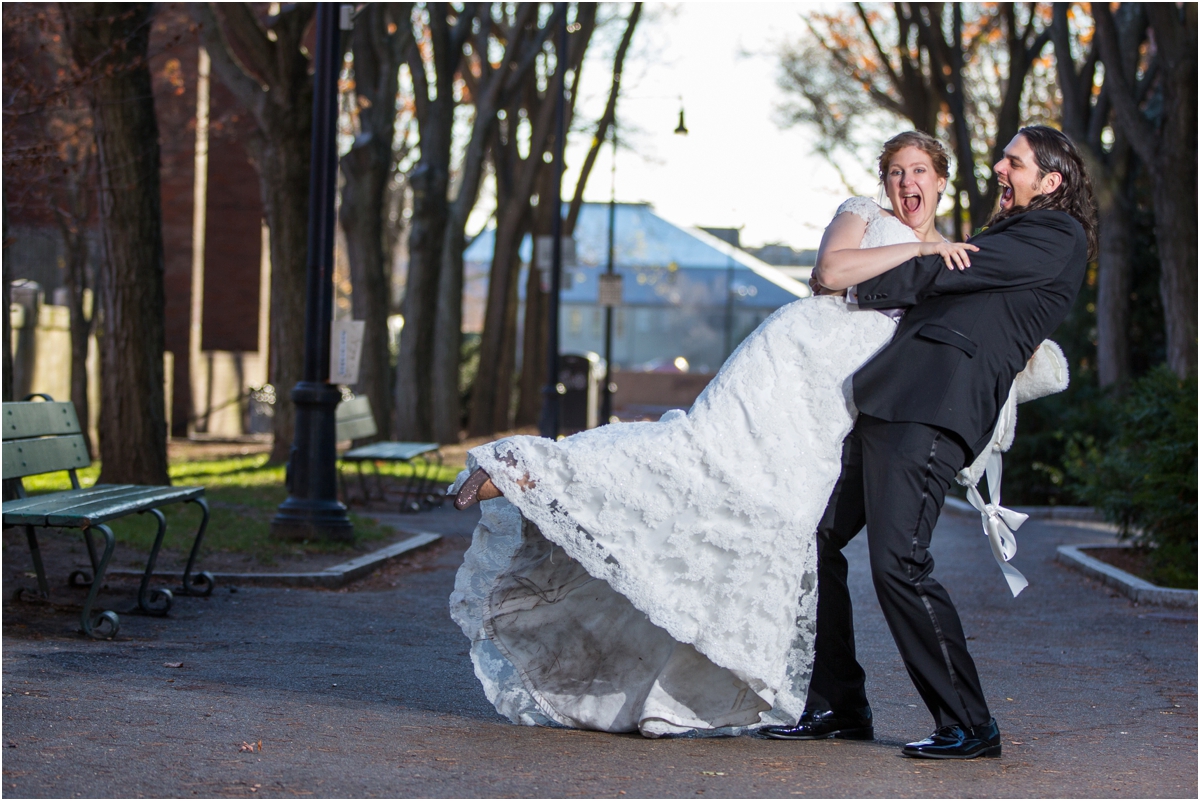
(911,203)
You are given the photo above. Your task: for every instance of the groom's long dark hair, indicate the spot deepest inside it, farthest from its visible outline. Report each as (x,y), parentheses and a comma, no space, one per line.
(1055,152)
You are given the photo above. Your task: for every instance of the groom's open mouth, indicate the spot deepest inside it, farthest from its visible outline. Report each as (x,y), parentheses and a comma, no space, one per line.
(911,203)
(1006,195)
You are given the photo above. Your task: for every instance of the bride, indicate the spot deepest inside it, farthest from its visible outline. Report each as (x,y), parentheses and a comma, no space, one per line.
(661,576)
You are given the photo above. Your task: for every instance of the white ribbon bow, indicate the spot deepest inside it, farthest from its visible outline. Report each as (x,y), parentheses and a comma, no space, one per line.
(999,524)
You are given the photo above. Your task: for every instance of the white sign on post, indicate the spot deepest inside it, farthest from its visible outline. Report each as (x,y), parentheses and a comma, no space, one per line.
(345,350)
(611,287)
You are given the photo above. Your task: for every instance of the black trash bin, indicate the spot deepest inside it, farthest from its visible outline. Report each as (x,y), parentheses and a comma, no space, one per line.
(579,380)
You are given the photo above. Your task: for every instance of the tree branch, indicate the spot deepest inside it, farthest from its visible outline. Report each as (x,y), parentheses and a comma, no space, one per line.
(1125,109)
(249,41)
(247,89)
(606,119)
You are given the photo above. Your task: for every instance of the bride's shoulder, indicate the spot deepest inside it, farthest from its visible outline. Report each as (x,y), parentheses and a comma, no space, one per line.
(863,207)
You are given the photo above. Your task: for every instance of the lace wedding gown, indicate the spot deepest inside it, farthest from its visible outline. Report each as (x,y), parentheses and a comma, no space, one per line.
(661,577)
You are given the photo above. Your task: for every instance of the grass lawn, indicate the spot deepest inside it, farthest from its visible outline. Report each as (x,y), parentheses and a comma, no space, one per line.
(243,494)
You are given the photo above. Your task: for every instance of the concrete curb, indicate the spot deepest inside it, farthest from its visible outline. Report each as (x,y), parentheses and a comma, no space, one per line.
(329,578)
(1138,590)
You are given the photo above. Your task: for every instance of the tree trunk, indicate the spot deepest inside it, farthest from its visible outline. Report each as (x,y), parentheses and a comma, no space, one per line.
(366,172)
(1175,233)
(7,378)
(430,183)
(367,168)
(537,311)
(1168,148)
(283,172)
(269,76)
(133,425)
(1114,283)
(75,277)
(414,414)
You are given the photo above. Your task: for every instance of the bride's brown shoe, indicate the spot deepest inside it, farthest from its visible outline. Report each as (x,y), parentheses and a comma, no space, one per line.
(478,487)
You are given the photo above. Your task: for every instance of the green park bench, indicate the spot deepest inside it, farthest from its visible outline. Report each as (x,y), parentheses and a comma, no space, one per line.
(354,420)
(45,438)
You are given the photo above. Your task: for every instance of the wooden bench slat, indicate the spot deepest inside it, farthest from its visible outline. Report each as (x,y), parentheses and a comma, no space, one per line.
(138,499)
(30,419)
(390,451)
(27,457)
(79,508)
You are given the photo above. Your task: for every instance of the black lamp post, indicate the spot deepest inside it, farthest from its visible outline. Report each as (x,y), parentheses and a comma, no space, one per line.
(606,396)
(548,422)
(312,510)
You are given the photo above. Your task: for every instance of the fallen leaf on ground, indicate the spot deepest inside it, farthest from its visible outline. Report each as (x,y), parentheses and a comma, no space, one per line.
(245,746)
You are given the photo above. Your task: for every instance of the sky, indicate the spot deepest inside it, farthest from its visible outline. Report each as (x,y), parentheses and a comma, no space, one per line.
(736,167)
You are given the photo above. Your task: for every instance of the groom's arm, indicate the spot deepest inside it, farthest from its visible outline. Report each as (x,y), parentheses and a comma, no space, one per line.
(1030,252)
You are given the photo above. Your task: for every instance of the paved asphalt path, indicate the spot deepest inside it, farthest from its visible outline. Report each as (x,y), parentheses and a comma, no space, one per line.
(369,692)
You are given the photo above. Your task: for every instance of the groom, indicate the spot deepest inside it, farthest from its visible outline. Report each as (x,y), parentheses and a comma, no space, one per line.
(928,403)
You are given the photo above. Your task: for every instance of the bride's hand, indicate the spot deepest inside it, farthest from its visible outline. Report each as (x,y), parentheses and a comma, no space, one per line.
(955,254)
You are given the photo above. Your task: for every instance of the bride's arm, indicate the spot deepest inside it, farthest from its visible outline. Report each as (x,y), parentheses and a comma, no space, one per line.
(841,263)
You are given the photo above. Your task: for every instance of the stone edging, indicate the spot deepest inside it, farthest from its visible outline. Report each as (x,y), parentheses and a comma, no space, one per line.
(330,577)
(1138,590)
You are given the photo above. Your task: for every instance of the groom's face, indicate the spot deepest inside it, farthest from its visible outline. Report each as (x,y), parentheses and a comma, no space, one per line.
(1019,177)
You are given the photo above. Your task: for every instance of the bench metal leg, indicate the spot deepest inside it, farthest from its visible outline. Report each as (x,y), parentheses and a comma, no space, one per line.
(202,583)
(81,578)
(36,553)
(106,624)
(362,483)
(147,597)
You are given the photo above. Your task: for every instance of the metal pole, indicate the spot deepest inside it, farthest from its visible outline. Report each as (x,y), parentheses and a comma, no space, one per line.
(606,398)
(729,307)
(312,510)
(548,424)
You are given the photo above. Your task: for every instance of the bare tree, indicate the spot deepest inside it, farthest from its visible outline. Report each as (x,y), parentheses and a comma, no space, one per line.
(1162,129)
(536,324)
(443,33)
(109,43)
(265,64)
(928,63)
(1086,113)
(382,35)
(516,179)
(491,88)
(50,154)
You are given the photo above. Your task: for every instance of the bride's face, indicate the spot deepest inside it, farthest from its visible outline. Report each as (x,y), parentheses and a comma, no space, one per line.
(914,187)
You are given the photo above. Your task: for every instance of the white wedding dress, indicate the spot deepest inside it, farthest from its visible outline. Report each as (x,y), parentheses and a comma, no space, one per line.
(661,577)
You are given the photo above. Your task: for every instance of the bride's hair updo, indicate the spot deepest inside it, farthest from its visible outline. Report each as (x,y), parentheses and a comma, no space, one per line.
(922,141)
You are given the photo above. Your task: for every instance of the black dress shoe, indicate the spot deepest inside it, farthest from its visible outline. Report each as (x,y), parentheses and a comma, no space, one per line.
(958,742)
(852,725)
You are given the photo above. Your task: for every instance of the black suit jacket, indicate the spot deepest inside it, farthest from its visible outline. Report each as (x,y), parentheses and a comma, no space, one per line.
(966,334)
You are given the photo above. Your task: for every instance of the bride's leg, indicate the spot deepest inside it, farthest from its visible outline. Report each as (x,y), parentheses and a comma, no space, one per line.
(478,487)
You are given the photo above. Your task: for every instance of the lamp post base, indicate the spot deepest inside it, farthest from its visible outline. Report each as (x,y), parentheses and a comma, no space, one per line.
(315,521)
(312,510)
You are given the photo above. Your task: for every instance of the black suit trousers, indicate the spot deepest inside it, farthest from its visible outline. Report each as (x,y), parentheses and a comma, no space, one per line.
(894,481)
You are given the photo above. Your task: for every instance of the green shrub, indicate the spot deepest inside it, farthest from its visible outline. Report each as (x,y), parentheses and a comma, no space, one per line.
(1143,476)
